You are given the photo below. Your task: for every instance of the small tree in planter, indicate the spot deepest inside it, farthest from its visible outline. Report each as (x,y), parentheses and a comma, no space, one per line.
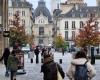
(17,32)
(89,35)
(60,44)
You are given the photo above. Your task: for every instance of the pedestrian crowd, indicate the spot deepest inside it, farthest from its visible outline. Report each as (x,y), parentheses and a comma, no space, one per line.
(80,67)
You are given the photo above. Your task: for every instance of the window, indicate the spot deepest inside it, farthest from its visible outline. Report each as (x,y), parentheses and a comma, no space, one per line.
(66,35)
(73,35)
(66,25)
(73,24)
(10,22)
(41,30)
(41,21)
(97,25)
(23,13)
(40,41)
(81,24)
(9,14)
(23,22)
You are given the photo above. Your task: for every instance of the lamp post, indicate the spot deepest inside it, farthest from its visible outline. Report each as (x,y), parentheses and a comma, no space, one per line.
(5,21)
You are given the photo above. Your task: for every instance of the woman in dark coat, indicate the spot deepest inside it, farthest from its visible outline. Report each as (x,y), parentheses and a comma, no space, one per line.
(4,57)
(49,68)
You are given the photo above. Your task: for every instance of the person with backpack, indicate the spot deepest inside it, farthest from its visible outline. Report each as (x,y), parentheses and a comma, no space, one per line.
(80,68)
(49,68)
(12,64)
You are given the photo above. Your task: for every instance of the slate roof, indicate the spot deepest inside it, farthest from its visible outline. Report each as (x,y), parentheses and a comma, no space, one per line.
(20,4)
(84,12)
(41,8)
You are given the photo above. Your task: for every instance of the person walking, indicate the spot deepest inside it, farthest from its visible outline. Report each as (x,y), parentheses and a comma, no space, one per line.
(49,68)
(43,51)
(12,64)
(31,55)
(80,68)
(63,51)
(36,51)
(5,56)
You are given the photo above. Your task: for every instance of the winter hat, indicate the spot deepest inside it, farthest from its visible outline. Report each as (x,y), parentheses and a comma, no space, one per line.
(47,56)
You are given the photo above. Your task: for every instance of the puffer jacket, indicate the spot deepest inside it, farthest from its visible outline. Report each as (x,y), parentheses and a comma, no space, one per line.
(71,70)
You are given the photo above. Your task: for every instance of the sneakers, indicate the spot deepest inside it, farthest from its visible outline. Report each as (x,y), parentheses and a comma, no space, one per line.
(6,74)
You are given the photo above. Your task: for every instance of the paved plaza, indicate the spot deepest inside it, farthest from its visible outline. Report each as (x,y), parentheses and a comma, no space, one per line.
(33,69)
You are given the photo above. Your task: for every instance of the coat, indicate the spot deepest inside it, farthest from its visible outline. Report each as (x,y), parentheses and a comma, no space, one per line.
(49,70)
(5,56)
(71,69)
(31,54)
(12,63)
(36,51)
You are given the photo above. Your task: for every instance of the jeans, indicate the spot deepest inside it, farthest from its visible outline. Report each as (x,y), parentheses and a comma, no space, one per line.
(7,72)
(13,75)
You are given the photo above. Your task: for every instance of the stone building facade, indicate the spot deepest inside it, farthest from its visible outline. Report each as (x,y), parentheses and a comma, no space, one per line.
(42,25)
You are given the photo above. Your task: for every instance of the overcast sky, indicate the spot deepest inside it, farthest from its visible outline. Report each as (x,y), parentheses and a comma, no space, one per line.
(35,2)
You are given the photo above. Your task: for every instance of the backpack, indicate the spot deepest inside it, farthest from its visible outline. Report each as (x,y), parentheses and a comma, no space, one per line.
(13,63)
(81,72)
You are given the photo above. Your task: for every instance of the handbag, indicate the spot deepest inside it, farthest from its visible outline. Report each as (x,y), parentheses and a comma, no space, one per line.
(59,77)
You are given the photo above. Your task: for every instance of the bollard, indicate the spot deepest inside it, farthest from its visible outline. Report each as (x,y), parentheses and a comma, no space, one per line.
(41,60)
(92,56)
(60,61)
(31,60)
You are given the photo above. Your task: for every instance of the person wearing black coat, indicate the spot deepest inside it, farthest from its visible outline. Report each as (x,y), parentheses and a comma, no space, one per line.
(4,57)
(36,51)
(49,68)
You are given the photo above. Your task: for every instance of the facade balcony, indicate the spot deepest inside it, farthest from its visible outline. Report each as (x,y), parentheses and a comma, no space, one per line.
(43,36)
(69,39)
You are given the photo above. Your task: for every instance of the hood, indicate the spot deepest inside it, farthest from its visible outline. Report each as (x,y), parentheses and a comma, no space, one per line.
(47,60)
(79,61)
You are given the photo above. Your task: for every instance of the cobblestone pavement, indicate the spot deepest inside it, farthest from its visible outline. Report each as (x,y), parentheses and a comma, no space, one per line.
(33,70)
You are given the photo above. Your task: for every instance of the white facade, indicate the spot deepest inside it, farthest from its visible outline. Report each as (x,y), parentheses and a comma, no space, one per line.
(70,30)
(25,17)
(46,37)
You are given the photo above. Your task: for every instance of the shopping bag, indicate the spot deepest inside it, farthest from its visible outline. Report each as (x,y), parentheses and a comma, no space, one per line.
(59,77)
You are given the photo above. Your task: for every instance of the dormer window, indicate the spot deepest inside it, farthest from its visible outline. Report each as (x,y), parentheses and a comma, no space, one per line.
(41,21)
(73,14)
(87,10)
(81,15)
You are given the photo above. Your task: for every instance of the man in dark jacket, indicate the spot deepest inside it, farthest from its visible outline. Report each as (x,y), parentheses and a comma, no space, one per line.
(5,56)
(36,51)
(49,68)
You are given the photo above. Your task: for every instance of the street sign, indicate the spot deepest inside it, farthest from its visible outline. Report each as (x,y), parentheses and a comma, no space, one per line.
(6,33)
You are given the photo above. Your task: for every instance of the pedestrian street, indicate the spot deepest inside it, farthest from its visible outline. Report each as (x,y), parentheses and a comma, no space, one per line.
(33,69)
